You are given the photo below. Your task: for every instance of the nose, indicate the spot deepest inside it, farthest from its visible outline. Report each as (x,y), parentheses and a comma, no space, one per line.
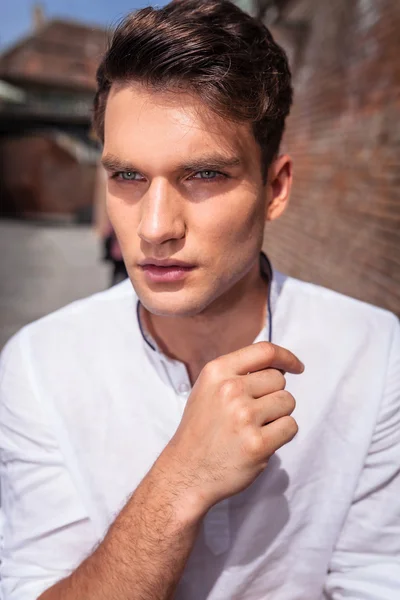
(162,218)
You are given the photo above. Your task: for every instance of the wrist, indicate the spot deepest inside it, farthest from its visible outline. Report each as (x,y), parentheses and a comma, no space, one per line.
(180,489)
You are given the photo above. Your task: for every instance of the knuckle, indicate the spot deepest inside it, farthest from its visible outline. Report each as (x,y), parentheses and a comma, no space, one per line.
(253,446)
(289,427)
(286,400)
(212,370)
(289,401)
(281,380)
(243,415)
(275,379)
(231,388)
(267,350)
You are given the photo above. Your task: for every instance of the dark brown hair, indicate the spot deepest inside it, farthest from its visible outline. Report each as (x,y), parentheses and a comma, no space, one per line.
(212,49)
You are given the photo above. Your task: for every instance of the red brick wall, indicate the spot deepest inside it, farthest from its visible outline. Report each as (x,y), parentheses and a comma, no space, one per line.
(342,229)
(37,176)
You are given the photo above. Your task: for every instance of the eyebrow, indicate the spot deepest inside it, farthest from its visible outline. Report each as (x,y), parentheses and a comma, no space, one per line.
(213,162)
(113,163)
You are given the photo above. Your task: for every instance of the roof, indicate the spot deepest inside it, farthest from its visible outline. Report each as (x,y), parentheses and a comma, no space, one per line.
(61,53)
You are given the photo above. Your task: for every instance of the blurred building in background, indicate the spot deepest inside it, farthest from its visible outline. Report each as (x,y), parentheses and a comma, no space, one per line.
(343,226)
(47,156)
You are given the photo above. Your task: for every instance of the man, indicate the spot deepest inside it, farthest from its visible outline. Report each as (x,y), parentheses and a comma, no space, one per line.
(148,445)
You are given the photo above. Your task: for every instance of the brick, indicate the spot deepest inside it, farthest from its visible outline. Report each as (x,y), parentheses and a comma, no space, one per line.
(342,228)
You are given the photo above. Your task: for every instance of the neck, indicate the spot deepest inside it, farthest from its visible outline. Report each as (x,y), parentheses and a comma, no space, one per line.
(230,323)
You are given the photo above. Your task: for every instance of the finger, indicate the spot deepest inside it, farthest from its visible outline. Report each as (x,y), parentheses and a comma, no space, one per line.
(274,406)
(264,382)
(261,356)
(278,433)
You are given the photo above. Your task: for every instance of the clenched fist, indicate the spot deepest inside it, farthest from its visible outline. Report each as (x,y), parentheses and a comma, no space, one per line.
(236,417)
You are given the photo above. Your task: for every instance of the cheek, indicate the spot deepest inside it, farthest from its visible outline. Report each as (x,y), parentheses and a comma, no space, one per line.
(124,219)
(228,220)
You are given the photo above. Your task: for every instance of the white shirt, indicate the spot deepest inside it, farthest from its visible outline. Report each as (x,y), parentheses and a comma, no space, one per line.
(87,406)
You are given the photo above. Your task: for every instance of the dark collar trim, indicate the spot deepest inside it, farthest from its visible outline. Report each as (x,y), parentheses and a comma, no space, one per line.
(268,274)
(144,336)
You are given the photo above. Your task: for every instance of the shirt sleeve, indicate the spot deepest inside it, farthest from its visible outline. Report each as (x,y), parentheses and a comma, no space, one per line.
(46,529)
(366,561)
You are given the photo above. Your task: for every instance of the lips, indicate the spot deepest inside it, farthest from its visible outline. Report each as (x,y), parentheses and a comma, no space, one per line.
(165,271)
(166,262)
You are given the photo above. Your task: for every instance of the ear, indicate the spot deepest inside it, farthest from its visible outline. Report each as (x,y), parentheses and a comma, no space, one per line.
(279,185)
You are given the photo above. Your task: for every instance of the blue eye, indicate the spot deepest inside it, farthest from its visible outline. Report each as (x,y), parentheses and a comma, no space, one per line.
(129,176)
(206,174)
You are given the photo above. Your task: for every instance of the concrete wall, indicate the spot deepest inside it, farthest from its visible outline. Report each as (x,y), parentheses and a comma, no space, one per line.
(342,229)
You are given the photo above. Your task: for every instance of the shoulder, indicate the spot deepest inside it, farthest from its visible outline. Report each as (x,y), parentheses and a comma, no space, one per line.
(77,330)
(327,326)
(318,305)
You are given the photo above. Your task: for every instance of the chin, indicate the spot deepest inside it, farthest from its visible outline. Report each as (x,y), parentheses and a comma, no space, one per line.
(173,304)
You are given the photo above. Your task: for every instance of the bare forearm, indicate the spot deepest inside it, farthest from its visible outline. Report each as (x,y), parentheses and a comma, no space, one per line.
(144,553)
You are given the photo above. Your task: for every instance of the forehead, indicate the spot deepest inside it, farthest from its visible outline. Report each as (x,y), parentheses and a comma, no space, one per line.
(155,124)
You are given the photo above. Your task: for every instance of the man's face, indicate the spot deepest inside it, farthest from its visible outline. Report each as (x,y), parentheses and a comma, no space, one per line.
(184,185)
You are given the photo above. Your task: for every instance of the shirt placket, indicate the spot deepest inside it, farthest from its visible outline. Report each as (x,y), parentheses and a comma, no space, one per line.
(178,376)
